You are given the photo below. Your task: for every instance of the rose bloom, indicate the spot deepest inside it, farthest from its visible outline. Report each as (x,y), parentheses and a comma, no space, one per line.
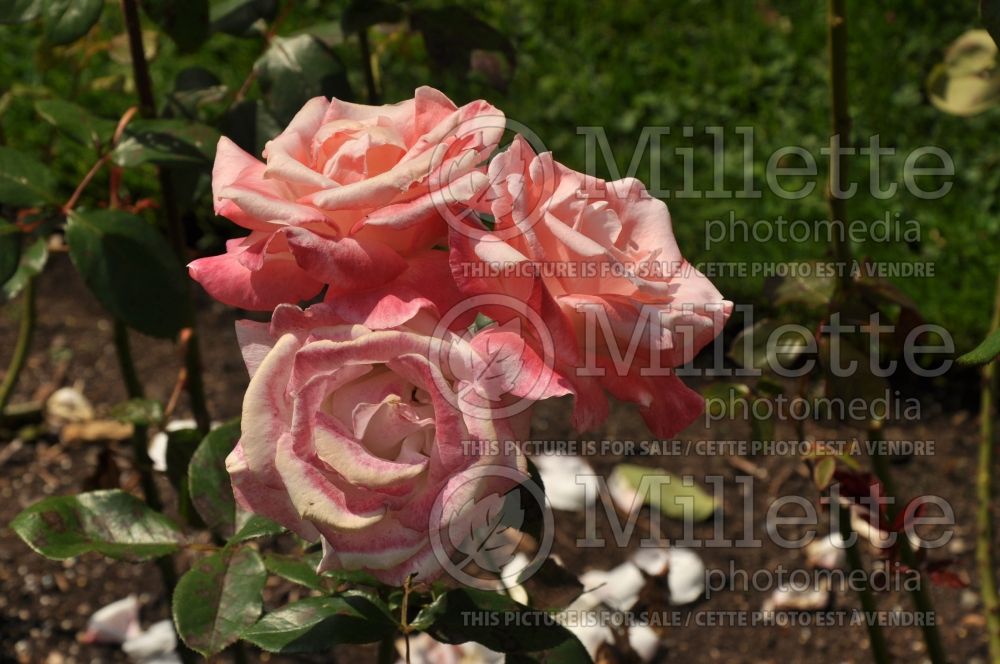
(627,305)
(352,434)
(346,193)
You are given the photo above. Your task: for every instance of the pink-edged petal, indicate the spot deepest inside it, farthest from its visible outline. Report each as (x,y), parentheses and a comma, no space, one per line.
(267,407)
(337,448)
(526,372)
(255,343)
(666,404)
(278,280)
(450,430)
(346,264)
(381,547)
(444,202)
(271,208)
(425,285)
(234,165)
(316,495)
(481,263)
(261,492)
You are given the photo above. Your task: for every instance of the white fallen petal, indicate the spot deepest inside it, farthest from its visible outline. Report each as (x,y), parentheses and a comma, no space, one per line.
(163,658)
(512,575)
(867,531)
(827,552)
(623,494)
(592,636)
(652,561)
(115,623)
(157,448)
(570,482)
(686,577)
(477,653)
(425,649)
(157,451)
(160,639)
(644,641)
(618,588)
(67,405)
(796,599)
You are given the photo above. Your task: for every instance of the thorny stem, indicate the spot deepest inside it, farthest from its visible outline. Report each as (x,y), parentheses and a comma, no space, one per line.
(840,121)
(920,594)
(840,139)
(880,651)
(23,344)
(984,496)
(175,229)
(366,66)
(403,618)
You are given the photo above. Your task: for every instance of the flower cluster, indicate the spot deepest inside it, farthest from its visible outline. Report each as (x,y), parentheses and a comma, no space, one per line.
(441,312)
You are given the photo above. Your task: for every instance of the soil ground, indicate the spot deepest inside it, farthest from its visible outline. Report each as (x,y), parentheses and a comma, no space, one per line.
(44,604)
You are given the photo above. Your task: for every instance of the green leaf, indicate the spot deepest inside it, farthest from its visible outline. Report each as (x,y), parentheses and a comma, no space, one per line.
(296,69)
(185,21)
(968,81)
(68,20)
(33,260)
(194,88)
(813,288)
(208,481)
(218,598)
(10,250)
(362,14)
(319,623)
(298,569)
(20,11)
(112,523)
(663,490)
(354,577)
(131,270)
(766,346)
(76,122)
(166,143)
(823,472)
(181,445)
(24,181)
(501,624)
(985,352)
(255,526)
(721,399)
(141,412)
(237,17)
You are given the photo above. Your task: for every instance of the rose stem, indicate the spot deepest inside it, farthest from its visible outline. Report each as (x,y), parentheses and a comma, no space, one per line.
(984,496)
(840,121)
(880,651)
(366,65)
(25,332)
(920,594)
(175,229)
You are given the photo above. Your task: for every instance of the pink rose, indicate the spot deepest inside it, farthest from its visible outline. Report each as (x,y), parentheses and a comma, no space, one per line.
(346,194)
(353,434)
(628,306)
